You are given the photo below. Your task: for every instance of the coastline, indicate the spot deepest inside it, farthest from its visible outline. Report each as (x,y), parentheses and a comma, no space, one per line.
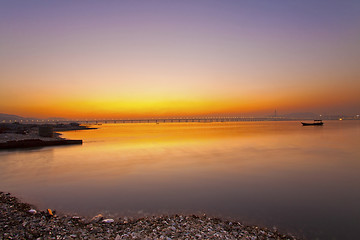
(31,143)
(17,136)
(20,220)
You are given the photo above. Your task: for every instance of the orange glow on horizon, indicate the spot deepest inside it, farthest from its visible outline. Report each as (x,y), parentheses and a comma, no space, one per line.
(112,107)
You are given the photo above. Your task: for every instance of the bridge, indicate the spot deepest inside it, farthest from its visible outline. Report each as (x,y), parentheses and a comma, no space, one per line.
(180,120)
(149,120)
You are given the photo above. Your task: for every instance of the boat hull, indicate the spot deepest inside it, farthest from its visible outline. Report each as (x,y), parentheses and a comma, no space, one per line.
(312,124)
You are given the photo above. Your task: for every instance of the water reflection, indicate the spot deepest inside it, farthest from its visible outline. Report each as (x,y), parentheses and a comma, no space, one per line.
(272,173)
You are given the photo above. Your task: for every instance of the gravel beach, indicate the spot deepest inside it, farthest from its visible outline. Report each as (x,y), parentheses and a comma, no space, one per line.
(23,221)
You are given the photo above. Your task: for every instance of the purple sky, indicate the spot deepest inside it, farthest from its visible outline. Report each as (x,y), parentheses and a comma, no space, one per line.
(137,57)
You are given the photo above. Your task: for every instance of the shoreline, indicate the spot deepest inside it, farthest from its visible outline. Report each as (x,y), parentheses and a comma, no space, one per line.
(19,136)
(20,220)
(33,143)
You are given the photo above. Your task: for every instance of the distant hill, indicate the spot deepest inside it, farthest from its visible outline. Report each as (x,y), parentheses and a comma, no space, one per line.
(7,117)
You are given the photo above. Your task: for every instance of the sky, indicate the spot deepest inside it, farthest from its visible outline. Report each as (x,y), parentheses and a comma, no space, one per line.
(116,59)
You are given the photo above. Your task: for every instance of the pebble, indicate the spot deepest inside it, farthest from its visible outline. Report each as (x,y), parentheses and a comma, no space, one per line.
(109,220)
(50,212)
(17,223)
(97,217)
(33,211)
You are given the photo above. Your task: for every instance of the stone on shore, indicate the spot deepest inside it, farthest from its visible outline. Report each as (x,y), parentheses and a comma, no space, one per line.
(16,222)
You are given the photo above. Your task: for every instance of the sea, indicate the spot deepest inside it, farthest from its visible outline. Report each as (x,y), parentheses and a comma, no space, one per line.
(303,180)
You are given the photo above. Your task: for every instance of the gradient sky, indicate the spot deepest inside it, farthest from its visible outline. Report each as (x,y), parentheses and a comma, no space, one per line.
(110,59)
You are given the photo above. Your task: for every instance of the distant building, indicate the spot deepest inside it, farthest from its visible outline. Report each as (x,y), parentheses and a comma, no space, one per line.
(74,124)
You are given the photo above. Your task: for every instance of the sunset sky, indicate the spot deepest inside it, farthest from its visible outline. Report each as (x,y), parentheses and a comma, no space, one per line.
(113,59)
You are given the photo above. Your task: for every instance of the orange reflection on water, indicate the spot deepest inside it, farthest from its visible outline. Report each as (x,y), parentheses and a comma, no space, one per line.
(248,170)
(120,149)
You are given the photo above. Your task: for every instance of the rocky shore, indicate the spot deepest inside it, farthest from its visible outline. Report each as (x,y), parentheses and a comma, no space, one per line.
(23,221)
(16,135)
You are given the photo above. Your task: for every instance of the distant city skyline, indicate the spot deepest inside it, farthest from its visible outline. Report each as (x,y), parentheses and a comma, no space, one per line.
(116,59)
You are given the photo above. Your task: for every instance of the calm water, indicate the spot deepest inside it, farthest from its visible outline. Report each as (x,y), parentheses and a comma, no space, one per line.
(302,179)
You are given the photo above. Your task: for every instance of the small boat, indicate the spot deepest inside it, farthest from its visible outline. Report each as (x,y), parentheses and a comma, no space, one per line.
(315,123)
